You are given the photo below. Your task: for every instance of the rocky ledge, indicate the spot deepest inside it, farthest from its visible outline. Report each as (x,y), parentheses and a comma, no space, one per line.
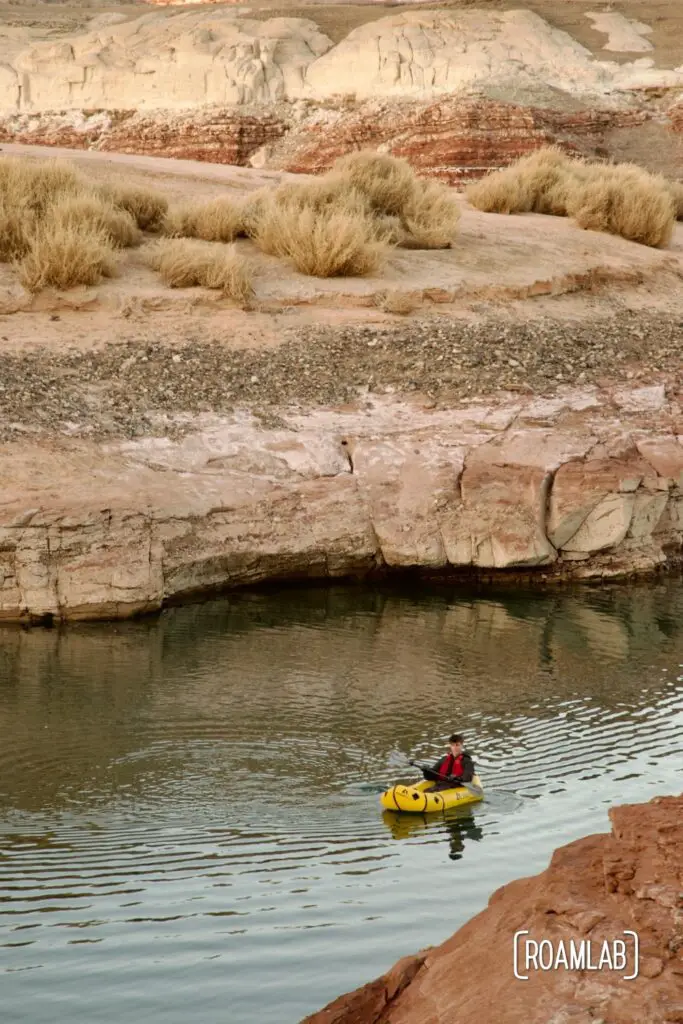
(593,890)
(586,484)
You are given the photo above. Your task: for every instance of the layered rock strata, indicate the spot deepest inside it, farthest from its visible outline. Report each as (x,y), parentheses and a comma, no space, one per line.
(455,92)
(586,485)
(453,139)
(593,891)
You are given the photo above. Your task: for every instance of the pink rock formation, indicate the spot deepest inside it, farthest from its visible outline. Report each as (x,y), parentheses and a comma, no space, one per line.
(593,890)
(453,139)
(587,485)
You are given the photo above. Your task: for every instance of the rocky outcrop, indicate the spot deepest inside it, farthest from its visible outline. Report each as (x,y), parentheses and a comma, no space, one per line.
(453,139)
(586,485)
(215,135)
(429,53)
(161,61)
(219,56)
(594,890)
(456,92)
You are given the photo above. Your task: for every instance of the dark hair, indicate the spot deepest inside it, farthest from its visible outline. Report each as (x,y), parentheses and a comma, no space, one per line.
(456,738)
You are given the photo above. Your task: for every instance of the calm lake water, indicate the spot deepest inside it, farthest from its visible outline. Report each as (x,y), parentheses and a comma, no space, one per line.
(189,823)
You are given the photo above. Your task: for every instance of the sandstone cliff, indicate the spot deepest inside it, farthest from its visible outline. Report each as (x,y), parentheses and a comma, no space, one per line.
(455,91)
(90,531)
(199,57)
(594,889)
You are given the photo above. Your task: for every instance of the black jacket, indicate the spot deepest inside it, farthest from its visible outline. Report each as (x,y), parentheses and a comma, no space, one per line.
(467,772)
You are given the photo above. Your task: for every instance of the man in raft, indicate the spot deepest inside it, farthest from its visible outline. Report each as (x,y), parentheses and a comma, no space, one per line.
(452,769)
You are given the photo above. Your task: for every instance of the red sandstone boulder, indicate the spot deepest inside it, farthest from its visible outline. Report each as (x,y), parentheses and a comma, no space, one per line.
(594,890)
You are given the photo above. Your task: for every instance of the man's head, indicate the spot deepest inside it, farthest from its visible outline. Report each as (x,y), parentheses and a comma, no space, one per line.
(456,742)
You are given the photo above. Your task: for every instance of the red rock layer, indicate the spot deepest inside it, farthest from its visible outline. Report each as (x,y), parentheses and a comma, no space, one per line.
(452,139)
(594,889)
(223,136)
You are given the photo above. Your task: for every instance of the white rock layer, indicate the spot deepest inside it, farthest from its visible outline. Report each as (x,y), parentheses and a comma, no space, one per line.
(167,60)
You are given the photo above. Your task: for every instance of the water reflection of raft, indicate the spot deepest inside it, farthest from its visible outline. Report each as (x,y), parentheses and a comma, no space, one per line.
(419,799)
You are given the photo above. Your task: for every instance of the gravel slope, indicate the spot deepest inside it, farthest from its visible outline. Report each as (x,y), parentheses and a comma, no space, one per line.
(118,390)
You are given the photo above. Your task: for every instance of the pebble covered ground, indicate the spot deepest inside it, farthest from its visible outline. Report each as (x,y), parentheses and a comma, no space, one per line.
(117,391)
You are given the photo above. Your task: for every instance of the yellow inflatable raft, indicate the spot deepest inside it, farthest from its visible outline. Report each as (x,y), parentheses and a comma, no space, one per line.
(419,799)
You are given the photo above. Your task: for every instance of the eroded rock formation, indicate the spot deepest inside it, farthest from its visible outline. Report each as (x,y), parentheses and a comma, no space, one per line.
(174,60)
(593,890)
(453,139)
(589,484)
(456,92)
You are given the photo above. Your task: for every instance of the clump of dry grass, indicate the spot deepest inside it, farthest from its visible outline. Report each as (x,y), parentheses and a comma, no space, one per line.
(332,241)
(219,220)
(290,200)
(344,222)
(535,183)
(430,217)
(253,208)
(146,206)
(92,211)
(65,255)
(186,263)
(621,199)
(27,191)
(400,303)
(16,227)
(676,189)
(388,182)
(35,186)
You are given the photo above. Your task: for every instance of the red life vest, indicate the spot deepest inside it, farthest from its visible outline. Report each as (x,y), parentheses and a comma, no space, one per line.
(452,766)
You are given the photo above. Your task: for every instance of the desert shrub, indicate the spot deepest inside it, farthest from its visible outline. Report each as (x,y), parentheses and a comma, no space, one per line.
(676,190)
(92,211)
(537,183)
(219,220)
(334,241)
(178,221)
(186,263)
(401,303)
(621,199)
(431,216)
(266,210)
(253,208)
(499,192)
(626,201)
(387,181)
(37,186)
(16,227)
(321,194)
(62,255)
(146,206)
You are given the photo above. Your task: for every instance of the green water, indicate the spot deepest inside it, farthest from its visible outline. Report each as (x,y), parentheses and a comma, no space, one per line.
(189,823)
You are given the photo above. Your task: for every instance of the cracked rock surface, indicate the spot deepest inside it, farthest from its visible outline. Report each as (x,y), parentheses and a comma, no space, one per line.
(587,484)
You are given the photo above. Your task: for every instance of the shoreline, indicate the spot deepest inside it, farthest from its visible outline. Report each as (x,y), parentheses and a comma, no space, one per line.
(157,446)
(586,486)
